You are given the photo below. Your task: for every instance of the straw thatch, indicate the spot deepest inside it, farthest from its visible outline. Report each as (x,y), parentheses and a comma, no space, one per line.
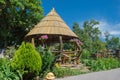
(53,25)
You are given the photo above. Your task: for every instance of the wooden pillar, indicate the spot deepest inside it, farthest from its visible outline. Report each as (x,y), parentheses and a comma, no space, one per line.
(60,48)
(61,44)
(33,42)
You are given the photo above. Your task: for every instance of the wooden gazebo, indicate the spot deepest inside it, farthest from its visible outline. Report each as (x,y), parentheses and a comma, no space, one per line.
(57,31)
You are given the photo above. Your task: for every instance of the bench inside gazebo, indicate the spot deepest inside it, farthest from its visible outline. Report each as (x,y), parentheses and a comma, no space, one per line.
(51,30)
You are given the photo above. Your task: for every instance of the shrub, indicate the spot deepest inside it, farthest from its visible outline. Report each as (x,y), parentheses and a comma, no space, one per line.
(6,72)
(27,60)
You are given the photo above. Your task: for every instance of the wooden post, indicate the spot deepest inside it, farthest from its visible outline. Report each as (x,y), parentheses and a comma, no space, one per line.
(60,47)
(33,42)
(61,43)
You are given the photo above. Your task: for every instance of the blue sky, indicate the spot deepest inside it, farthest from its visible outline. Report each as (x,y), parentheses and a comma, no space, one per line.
(107,12)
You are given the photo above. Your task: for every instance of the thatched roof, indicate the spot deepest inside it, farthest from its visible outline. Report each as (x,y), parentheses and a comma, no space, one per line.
(52,24)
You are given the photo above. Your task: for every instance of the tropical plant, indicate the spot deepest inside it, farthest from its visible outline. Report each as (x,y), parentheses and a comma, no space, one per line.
(27,60)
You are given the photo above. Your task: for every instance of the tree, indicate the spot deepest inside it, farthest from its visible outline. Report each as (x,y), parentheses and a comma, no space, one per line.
(17,17)
(79,32)
(76,29)
(90,36)
(112,42)
(27,60)
(107,36)
(90,29)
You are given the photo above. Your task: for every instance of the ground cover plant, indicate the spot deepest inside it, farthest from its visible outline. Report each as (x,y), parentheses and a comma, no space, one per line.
(64,72)
(7,73)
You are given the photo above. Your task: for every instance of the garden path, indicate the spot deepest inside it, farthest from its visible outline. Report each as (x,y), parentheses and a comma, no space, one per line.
(113,74)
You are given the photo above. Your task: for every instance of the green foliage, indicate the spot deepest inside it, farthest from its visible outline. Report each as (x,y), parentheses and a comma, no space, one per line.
(17,17)
(90,36)
(98,46)
(47,59)
(85,54)
(78,31)
(27,59)
(112,43)
(102,63)
(68,46)
(63,72)
(6,72)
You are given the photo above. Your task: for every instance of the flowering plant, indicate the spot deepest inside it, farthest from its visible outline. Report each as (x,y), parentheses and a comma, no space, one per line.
(43,38)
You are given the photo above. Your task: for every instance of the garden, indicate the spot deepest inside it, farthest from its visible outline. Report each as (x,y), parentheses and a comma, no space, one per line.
(27,53)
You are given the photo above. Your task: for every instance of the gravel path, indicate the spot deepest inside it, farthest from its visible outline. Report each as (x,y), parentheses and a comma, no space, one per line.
(113,74)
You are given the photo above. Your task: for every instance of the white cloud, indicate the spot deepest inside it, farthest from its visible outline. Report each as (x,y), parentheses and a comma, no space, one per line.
(115,32)
(113,29)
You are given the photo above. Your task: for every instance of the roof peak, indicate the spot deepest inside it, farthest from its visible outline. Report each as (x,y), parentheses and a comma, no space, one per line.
(53,12)
(53,9)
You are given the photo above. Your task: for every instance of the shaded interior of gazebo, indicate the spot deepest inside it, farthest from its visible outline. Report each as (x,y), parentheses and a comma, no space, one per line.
(57,31)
